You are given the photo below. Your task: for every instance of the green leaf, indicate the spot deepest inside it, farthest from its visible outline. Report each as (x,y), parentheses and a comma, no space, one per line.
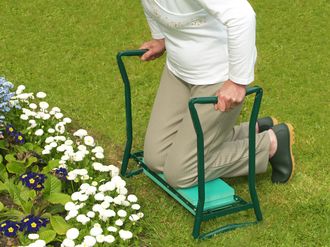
(47,235)
(60,198)
(51,165)
(33,147)
(10,157)
(16,167)
(15,194)
(3,145)
(2,186)
(3,171)
(1,206)
(23,239)
(11,214)
(31,160)
(52,185)
(59,224)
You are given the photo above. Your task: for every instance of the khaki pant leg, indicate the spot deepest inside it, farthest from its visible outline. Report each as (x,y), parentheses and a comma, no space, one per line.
(224,157)
(166,116)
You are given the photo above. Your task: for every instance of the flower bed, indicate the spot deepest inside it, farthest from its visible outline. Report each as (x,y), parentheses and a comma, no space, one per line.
(57,187)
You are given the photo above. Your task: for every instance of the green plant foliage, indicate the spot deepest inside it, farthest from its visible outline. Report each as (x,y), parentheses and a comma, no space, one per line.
(59,225)
(58,198)
(47,235)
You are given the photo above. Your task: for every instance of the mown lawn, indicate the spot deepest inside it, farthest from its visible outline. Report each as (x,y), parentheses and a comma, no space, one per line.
(68,48)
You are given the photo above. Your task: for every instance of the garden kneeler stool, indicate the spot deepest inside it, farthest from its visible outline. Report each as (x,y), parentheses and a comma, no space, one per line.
(206,200)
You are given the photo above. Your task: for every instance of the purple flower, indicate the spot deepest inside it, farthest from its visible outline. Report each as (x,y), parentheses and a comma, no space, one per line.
(61,173)
(19,138)
(33,180)
(10,130)
(9,228)
(33,223)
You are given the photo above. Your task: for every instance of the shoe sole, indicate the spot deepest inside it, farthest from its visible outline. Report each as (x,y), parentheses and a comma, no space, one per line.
(292,140)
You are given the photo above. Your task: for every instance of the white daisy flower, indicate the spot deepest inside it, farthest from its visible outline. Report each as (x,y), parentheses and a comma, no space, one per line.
(105,205)
(43,105)
(67,120)
(45,152)
(99,197)
(33,236)
(132,198)
(75,196)
(134,217)
(89,241)
(56,109)
(112,229)
(100,238)
(95,231)
(20,89)
(58,115)
(109,239)
(33,106)
(24,117)
(99,155)
(68,243)
(89,141)
(72,233)
(108,199)
(68,142)
(91,214)
(136,206)
(69,206)
(83,219)
(80,133)
(41,95)
(98,149)
(97,208)
(140,214)
(60,128)
(125,235)
(51,130)
(119,222)
(39,132)
(122,213)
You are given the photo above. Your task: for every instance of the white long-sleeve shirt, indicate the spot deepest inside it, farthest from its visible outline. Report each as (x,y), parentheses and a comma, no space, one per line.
(207,41)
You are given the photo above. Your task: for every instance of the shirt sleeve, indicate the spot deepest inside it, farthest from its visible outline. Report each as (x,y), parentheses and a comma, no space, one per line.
(156,32)
(239,18)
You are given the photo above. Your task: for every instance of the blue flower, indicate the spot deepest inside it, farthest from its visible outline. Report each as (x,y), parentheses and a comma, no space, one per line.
(19,138)
(33,223)
(10,130)
(5,95)
(9,228)
(61,173)
(33,180)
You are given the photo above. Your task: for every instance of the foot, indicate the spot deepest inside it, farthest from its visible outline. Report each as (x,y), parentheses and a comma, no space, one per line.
(266,123)
(283,161)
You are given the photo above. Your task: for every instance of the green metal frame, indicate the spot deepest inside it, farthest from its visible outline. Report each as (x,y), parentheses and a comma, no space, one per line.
(199,212)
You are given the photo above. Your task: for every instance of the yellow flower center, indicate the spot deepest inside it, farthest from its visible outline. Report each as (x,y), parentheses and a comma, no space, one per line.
(34,225)
(11,129)
(31,181)
(26,220)
(10,229)
(24,176)
(20,138)
(3,225)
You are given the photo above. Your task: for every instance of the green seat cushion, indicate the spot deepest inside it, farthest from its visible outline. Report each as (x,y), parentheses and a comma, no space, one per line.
(217,193)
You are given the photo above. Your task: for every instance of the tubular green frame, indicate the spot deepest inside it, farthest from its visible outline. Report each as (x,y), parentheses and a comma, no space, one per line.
(200,214)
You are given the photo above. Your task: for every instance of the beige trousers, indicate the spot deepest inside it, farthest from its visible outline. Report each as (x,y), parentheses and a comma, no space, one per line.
(170,142)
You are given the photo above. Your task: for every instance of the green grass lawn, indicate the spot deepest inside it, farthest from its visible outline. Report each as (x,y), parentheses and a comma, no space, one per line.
(68,48)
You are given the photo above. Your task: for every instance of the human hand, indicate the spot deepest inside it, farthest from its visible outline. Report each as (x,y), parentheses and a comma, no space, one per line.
(229,95)
(156,48)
